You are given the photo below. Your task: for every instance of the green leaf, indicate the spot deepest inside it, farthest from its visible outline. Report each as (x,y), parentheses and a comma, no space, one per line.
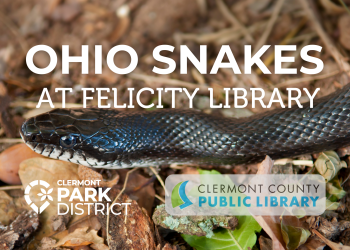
(294,236)
(333,190)
(202,171)
(241,238)
(330,205)
(328,164)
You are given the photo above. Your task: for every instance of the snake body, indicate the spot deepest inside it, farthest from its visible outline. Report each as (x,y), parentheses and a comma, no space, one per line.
(109,138)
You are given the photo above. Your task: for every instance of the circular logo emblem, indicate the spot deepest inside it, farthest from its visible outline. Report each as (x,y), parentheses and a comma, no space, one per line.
(44,195)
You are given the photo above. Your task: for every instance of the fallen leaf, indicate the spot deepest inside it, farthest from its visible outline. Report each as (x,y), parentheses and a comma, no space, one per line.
(59,222)
(265,243)
(313,243)
(10,208)
(50,171)
(90,221)
(293,236)
(140,189)
(334,188)
(344,30)
(328,164)
(66,12)
(80,237)
(330,205)
(86,173)
(332,7)
(46,243)
(10,160)
(345,237)
(167,246)
(241,238)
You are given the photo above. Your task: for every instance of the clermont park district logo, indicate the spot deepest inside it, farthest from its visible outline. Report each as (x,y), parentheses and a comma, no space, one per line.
(45,195)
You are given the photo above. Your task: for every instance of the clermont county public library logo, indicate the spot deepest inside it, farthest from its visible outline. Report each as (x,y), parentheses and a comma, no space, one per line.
(179,197)
(45,195)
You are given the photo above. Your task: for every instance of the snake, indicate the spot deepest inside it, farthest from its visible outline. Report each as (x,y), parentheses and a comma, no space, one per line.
(110,138)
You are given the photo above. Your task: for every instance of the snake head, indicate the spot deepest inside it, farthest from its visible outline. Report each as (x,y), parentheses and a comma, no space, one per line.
(65,135)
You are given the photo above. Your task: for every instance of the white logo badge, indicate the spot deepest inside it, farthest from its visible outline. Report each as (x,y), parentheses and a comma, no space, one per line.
(45,195)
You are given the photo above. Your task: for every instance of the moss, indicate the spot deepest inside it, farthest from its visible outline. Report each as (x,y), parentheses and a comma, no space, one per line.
(207,227)
(171,222)
(184,220)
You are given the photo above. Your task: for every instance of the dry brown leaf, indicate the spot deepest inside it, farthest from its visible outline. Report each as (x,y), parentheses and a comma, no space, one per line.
(332,7)
(80,237)
(86,173)
(344,30)
(99,247)
(10,208)
(140,189)
(50,171)
(167,246)
(133,231)
(313,243)
(10,160)
(90,221)
(265,243)
(270,224)
(46,243)
(66,12)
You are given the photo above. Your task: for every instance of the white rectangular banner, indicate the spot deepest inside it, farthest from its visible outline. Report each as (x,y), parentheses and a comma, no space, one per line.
(245,194)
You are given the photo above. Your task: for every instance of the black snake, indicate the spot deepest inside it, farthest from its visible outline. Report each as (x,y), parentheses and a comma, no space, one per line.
(109,138)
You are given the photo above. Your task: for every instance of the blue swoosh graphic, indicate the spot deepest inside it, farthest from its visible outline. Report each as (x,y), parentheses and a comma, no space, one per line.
(183,196)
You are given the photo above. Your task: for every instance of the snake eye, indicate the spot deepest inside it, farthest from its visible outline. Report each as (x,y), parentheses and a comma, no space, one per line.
(67,141)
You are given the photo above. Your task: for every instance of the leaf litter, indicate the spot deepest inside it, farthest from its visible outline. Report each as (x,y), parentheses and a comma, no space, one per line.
(190,23)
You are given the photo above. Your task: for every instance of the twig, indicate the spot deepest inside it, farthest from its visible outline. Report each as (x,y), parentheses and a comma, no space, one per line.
(331,244)
(202,6)
(233,20)
(344,5)
(116,198)
(285,161)
(302,37)
(159,179)
(223,36)
(233,36)
(11,187)
(311,13)
(269,26)
(290,82)
(159,198)
(11,140)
